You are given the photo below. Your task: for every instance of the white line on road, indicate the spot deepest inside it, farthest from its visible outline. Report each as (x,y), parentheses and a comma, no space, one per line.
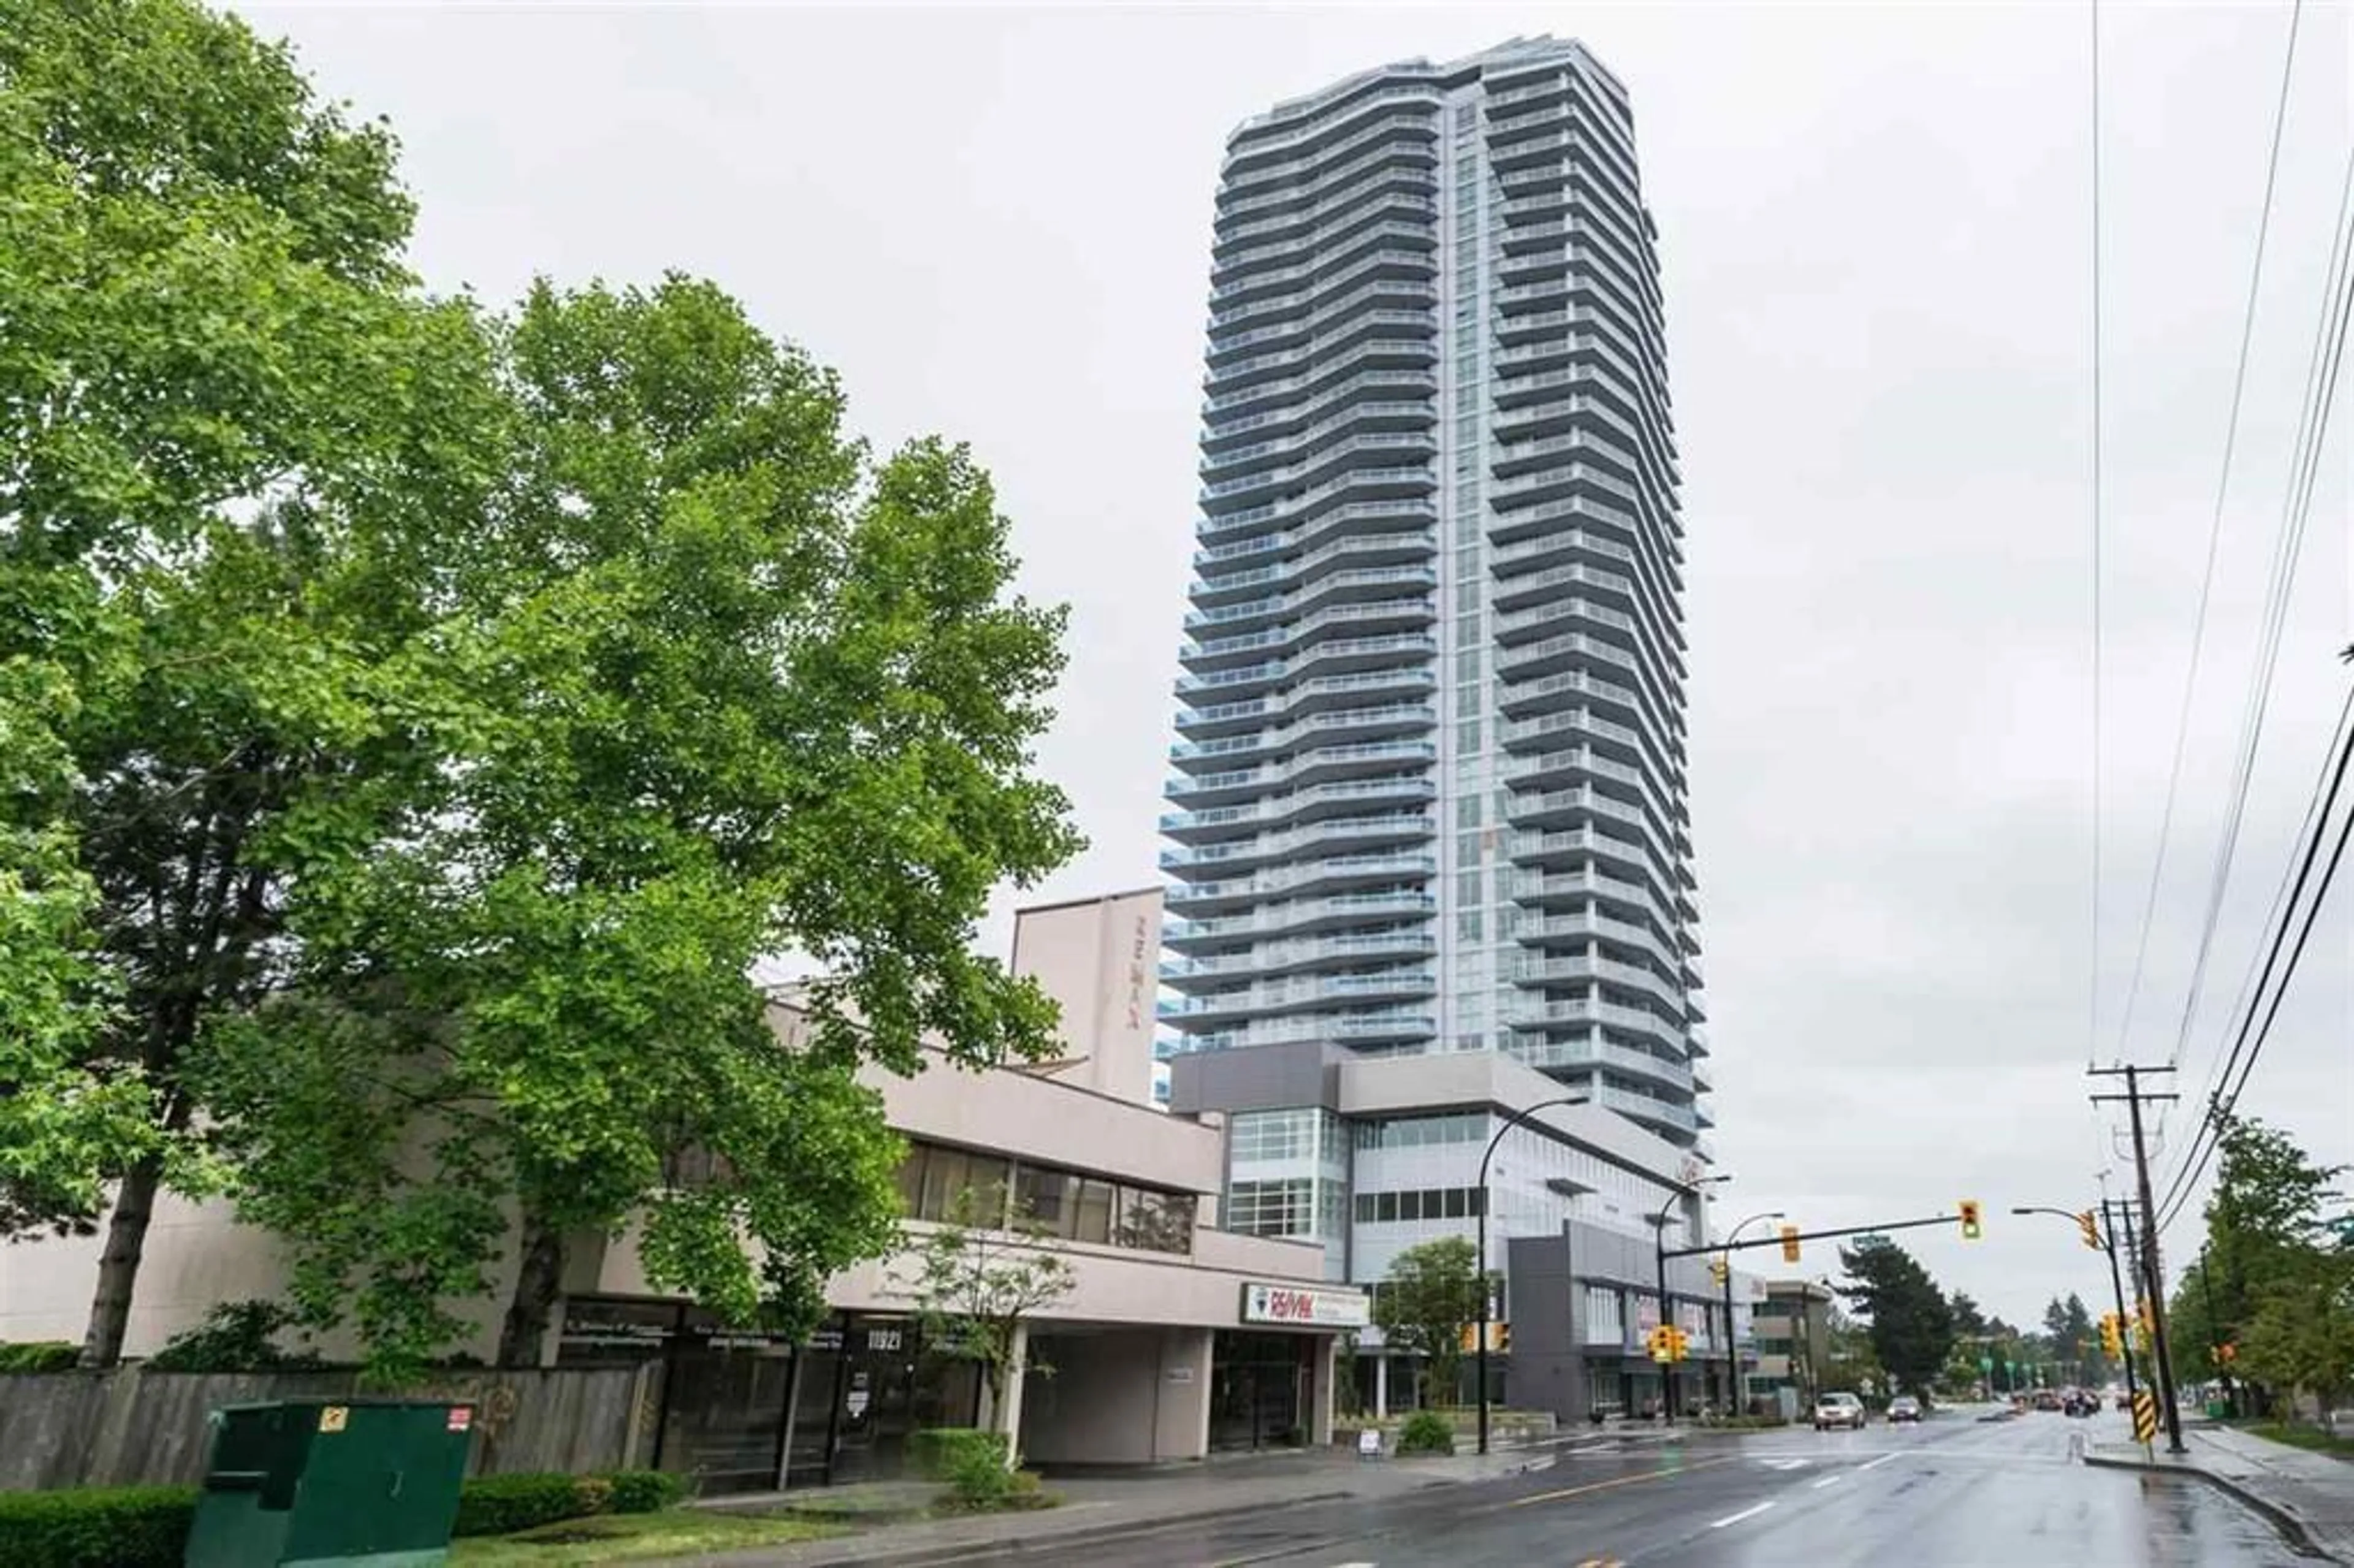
(1892,1454)
(1737,1518)
(1826,1481)
(1784,1464)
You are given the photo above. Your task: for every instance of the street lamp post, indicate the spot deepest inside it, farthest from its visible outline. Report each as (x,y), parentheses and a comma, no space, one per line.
(1731,1349)
(2116,1282)
(1659,1257)
(1517,1118)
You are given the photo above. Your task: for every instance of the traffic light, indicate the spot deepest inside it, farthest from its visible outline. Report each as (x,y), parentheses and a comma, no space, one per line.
(2113,1338)
(1789,1244)
(1720,1269)
(1678,1344)
(2092,1232)
(1661,1342)
(1970,1229)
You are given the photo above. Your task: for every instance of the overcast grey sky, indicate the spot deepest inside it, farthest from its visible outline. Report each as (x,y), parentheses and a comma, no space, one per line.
(1875,228)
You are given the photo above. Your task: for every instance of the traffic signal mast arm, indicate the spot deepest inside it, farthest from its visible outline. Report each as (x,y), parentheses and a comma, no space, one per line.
(1810,1235)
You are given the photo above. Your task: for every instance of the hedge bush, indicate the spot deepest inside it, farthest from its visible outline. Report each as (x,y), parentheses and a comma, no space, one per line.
(147,1527)
(646,1491)
(501,1505)
(38,1356)
(96,1527)
(940,1453)
(1427,1431)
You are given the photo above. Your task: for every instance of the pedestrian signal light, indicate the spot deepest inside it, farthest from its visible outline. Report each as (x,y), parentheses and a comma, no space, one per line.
(2092,1232)
(1970,1229)
(1789,1244)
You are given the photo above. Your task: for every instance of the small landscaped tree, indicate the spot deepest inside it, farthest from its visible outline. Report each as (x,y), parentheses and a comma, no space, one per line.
(979,1279)
(1430,1298)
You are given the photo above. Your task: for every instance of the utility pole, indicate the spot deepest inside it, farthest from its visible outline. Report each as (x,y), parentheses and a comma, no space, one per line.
(2215,1336)
(2153,1275)
(2117,1286)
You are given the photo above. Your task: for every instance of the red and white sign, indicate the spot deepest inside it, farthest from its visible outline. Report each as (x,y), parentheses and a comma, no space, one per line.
(461,1417)
(1301,1307)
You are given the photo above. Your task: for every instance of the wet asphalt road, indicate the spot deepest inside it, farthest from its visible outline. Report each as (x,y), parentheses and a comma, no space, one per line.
(1952,1493)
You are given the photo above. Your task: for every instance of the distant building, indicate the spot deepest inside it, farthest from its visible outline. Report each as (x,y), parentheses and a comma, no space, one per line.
(1429,783)
(1794,1336)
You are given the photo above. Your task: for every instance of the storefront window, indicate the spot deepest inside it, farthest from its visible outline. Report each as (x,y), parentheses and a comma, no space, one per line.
(1156,1222)
(951,1173)
(1058,1203)
(1091,1215)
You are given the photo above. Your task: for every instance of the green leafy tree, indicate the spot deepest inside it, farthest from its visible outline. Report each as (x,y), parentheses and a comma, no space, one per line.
(710,684)
(60,1122)
(223,410)
(2073,1345)
(2301,1336)
(1911,1322)
(2264,1228)
(1427,1305)
(1850,1362)
(979,1276)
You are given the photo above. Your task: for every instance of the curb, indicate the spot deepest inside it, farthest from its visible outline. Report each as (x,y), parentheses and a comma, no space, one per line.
(925,1556)
(2291,1527)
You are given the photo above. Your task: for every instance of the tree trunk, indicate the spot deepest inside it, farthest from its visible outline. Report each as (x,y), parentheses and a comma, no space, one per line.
(118,1266)
(537,1277)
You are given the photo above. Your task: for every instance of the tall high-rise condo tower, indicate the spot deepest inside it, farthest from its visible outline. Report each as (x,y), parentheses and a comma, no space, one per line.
(1429,788)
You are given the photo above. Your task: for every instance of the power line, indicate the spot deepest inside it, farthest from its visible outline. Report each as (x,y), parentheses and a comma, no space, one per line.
(2215,538)
(2320,395)
(2249,1043)
(2321,388)
(2093,986)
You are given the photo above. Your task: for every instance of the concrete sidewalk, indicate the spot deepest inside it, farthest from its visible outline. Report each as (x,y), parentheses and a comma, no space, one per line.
(1112,1504)
(2309,1496)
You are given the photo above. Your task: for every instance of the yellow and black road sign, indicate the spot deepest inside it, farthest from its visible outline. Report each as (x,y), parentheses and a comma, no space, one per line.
(2144,1414)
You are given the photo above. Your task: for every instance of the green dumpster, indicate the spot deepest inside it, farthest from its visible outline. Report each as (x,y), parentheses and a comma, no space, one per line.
(327,1481)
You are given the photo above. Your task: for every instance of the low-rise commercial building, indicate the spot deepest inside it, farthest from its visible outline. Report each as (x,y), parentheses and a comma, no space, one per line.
(1367,1155)
(1176,1336)
(1794,1337)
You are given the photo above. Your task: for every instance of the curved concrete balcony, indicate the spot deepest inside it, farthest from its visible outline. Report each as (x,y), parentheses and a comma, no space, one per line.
(1370,617)
(1352,585)
(1372,1026)
(1390,986)
(1281,959)
(1554,1054)
(1334,836)
(1319,800)
(1370,687)
(1216,904)
(1323,763)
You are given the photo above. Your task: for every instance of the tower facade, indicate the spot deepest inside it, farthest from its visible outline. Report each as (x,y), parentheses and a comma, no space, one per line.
(1428,791)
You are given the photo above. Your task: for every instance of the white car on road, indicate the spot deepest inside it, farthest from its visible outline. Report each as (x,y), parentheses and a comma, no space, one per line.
(1838,1410)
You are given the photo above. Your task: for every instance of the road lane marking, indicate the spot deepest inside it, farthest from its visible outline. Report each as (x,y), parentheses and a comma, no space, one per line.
(1784,1464)
(1875,1464)
(1737,1518)
(1825,1481)
(1615,1481)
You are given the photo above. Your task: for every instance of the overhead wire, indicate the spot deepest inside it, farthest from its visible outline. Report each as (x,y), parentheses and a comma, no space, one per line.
(2255,1031)
(2214,538)
(2230,1074)
(2093,961)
